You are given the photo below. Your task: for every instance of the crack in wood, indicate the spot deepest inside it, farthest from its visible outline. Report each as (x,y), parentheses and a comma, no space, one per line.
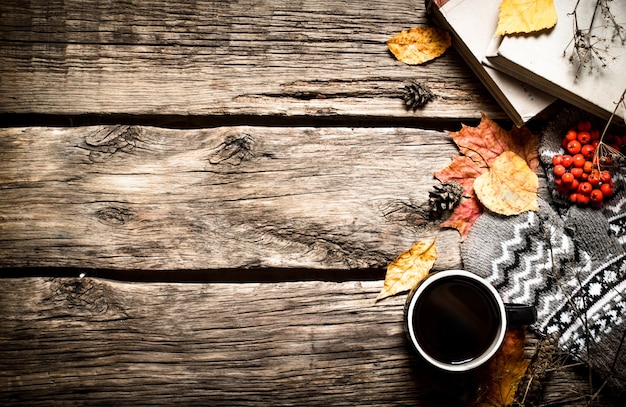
(329,247)
(105,142)
(404,212)
(86,297)
(375,87)
(233,150)
(115,215)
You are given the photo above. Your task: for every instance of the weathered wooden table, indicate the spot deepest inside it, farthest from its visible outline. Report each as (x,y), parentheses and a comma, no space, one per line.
(194,201)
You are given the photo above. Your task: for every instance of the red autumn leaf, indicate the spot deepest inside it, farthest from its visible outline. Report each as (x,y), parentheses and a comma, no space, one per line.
(479,147)
(464,171)
(464,216)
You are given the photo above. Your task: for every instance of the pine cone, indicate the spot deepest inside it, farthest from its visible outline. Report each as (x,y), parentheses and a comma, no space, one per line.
(444,198)
(416,95)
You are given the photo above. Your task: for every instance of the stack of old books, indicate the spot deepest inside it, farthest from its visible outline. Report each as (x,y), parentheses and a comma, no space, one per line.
(581,60)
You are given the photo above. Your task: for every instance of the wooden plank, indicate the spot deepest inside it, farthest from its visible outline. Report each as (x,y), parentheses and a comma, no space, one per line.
(306,58)
(127,197)
(92,342)
(224,344)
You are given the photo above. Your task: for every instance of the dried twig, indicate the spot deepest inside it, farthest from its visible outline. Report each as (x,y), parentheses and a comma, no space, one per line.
(589,47)
(603,150)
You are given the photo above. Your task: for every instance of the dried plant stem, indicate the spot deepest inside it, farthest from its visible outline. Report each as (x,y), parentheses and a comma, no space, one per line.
(586,45)
(608,123)
(604,149)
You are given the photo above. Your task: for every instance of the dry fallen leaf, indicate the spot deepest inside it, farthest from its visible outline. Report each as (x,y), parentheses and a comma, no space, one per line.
(526,16)
(488,140)
(410,268)
(509,187)
(479,147)
(419,44)
(506,369)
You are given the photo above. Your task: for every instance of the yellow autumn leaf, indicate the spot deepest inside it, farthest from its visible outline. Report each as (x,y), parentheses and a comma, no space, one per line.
(509,187)
(506,369)
(419,44)
(526,16)
(410,268)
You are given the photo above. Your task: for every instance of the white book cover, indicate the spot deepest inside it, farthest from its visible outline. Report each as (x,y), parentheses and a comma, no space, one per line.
(472,24)
(590,78)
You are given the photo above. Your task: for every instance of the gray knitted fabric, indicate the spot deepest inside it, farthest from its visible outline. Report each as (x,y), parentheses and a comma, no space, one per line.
(568,261)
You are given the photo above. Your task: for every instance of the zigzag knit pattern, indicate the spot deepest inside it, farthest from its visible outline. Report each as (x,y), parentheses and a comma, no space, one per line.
(522,263)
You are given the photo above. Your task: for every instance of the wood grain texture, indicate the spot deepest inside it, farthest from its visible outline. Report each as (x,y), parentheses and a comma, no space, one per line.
(269,57)
(94,342)
(127,197)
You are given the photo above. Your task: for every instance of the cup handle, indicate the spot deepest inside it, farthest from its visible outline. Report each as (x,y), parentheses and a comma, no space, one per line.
(520,314)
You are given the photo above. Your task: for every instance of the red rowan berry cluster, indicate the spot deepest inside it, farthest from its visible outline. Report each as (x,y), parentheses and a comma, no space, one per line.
(581,174)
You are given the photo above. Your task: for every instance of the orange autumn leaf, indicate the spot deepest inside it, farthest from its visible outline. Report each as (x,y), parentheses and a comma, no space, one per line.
(526,16)
(479,147)
(488,140)
(409,269)
(419,44)
(509,187)
(506,369)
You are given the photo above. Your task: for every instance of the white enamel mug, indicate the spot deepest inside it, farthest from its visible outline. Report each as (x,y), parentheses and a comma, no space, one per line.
(456,320)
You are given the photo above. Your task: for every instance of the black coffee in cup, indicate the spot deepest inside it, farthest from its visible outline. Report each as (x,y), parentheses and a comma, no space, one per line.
(456,320)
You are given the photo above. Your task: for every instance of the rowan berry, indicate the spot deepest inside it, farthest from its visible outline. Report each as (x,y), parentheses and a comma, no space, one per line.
(567,178)
(584,125)
(595,134)
(588,167)
(596,196)
(557,159)
(573,147)
(583,137)
(585,188)
(582,199)
(573,197)
(563,191)
(564,143)
(587,151)
(578,160)
(594,178)
(607,189)
(606,160)
(567,160)
(605,176)
(577,172)
(559,170)
(573,186)
(571,135)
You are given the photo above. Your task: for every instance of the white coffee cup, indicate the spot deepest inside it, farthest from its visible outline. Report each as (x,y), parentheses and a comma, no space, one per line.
(456,320)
